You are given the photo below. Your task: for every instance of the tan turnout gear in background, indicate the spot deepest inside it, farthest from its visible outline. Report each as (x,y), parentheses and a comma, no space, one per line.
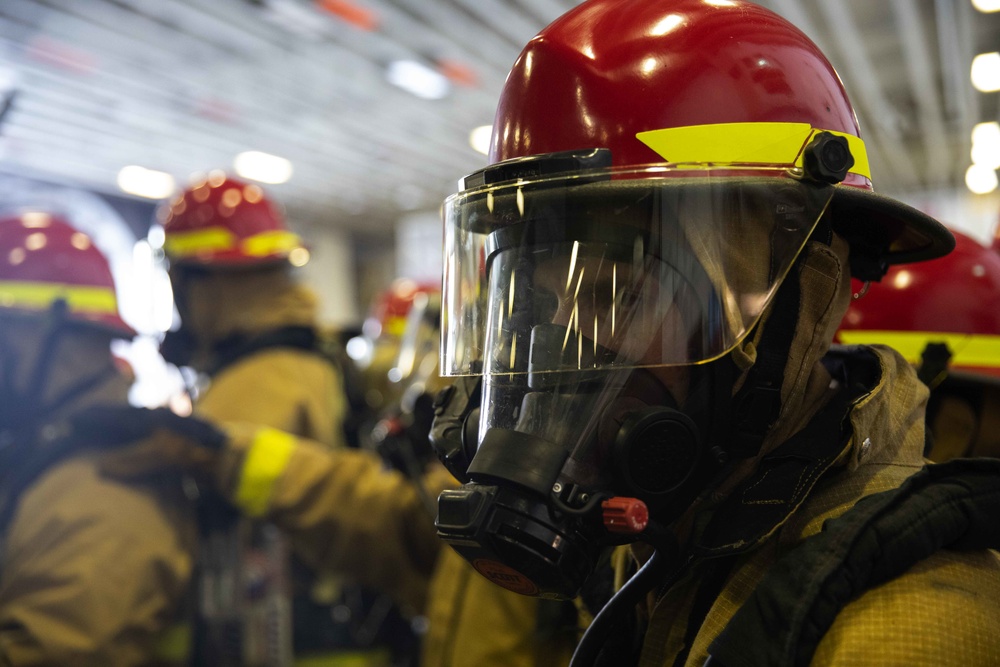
(253,329)
(93,570)
(297,391)
(471,621)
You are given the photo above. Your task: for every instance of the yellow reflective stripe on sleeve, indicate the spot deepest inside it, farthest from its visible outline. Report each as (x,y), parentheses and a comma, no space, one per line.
(977,350)
(266,243)
(185,244)
(747,143)
(377,657)
(38,296)
(265,462)
(174,645)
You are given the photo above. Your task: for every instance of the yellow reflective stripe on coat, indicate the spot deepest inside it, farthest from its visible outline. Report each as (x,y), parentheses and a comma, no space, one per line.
(265,461)
(38,296)
(174,645)
(746,143)
(978,350)
(377,657)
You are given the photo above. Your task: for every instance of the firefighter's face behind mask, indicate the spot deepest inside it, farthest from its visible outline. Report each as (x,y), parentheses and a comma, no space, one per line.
(592,308)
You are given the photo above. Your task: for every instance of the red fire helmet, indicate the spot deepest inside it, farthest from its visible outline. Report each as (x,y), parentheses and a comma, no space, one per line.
(697,81)
(953,300)
(390,309)
(222,221)
(44,260)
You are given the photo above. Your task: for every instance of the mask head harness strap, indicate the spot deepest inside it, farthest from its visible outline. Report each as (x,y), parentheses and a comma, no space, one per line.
(22,412)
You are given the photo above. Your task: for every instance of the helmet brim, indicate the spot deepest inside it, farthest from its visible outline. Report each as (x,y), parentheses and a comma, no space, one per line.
(901,233)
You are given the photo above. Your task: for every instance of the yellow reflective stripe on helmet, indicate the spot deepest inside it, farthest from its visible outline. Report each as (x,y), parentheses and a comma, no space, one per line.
(266,243)
(978,350)
(747,143)
(185,244)
(38,296)
(265,462)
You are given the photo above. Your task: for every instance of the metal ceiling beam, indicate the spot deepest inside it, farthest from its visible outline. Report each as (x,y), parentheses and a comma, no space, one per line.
(956,47)
(886,120)
(161,94)
(923,85)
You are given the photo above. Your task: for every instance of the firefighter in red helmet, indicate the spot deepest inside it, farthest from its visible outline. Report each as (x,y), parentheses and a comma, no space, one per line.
(93,571)
(944,317)
(640,294)
(251,327)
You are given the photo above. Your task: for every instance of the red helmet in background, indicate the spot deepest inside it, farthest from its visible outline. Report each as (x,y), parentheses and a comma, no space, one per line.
(953,300)
(389,313)
(220,221)
(44,260)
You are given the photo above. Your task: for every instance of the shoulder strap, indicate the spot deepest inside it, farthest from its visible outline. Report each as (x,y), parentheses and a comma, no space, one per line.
(106,426)
(952,505)
(236,347)
(305,339)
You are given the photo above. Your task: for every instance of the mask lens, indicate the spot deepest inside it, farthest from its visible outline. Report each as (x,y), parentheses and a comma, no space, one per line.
(642,269)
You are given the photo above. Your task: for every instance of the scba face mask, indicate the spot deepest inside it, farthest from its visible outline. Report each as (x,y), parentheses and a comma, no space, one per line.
(590,310)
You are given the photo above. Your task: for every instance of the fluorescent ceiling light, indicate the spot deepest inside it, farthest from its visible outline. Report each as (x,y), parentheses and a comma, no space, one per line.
(417,79)
(479,139)
(987,6)
(986,145)
(144,182)
(985,72)
(980,180)
(263,167)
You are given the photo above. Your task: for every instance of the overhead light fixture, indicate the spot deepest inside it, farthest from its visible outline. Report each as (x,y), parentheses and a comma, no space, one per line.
(980,180)
(987,6)
(263,167)
(480,137)
(147,183)
(417,79)
(986,145)
(985,72)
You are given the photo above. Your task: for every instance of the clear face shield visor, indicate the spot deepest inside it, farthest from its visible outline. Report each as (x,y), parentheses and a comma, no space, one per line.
(587,302)
(557,290)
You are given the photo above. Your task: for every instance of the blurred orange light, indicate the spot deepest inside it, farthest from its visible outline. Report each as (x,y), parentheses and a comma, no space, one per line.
(458,73)
(351,13)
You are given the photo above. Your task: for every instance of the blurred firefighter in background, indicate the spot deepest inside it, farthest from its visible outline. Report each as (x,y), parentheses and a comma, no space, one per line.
(469,620)
(397,359)
(251,328)
(944,317)
(93,571)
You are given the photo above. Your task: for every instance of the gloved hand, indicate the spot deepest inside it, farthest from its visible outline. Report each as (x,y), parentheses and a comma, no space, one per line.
(142,442)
